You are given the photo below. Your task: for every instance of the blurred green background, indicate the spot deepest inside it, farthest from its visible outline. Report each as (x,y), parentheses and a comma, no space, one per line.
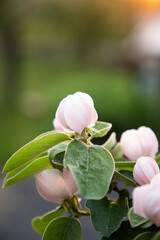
(52,48)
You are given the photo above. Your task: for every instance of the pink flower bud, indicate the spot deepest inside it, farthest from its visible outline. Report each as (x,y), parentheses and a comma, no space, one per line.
(58,126)
(56,186)
(145,169)
(139,195)
(75,112)
(146,200)
(138,143)
(156,181)
(152,206)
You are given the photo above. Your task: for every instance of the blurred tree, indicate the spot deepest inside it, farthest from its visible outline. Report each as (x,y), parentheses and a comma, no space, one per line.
(87,23)
(10,25)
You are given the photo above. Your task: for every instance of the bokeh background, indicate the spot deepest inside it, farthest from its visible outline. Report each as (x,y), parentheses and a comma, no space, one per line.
(51,48)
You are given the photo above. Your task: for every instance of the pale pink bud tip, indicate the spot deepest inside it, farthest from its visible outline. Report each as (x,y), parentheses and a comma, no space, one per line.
(56,186)
(152,206)
(145,169)
(139,195)
(146,200)
(75,112)
(58,126)
(140,142)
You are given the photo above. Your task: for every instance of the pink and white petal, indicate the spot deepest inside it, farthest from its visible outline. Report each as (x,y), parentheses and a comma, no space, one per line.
(139,195)
(85,97)
(148,141)
(93,117)
(76,114)
(57,125)
(51,186)
(139,176)
(156,181)
(131,146)
(145,169)
(152,206)
(69,181)
(60,113)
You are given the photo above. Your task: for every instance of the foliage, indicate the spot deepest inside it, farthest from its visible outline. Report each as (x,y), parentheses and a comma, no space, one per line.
(96,173)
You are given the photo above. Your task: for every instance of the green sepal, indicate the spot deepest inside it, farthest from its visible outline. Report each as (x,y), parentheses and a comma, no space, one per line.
(134,219)
(56,153)
(144,236)
(125,177)
(117,151)
(124,165)
(100,129)
(111,142)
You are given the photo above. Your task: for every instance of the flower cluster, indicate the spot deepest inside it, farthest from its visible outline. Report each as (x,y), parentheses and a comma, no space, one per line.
(142,146)
(66,162)
(75,113)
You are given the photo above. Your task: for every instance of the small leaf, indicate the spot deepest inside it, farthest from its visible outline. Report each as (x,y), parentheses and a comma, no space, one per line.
(117,151)
(158,159)
(63,228)
(107,215)
(124,165)
(111,142)
(134,219)
(144,236)
(100,129)
(26,170)
(40,223)
(56,153)
(148,224)
(33,149)
(92,167)
(125,177)
(156,236)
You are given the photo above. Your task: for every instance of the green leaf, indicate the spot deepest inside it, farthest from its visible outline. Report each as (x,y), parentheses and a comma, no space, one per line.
(156,236)
(158,159)
(147,224)
(117,151)
(144,236)
(26,170)
(111,142)
(107,215)
(92,167)
(124,165)
(125,232)
(134,219)
(40,223)
(33,149)
(63,228)
(125,177)
(100,129)
(56,153)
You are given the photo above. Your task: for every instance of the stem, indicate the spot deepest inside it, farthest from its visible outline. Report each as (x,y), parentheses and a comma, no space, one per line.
(116,189)
(74,207)
(67,206)
(82,214)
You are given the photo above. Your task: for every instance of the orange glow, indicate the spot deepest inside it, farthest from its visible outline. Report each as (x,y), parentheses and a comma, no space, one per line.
(153,4)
